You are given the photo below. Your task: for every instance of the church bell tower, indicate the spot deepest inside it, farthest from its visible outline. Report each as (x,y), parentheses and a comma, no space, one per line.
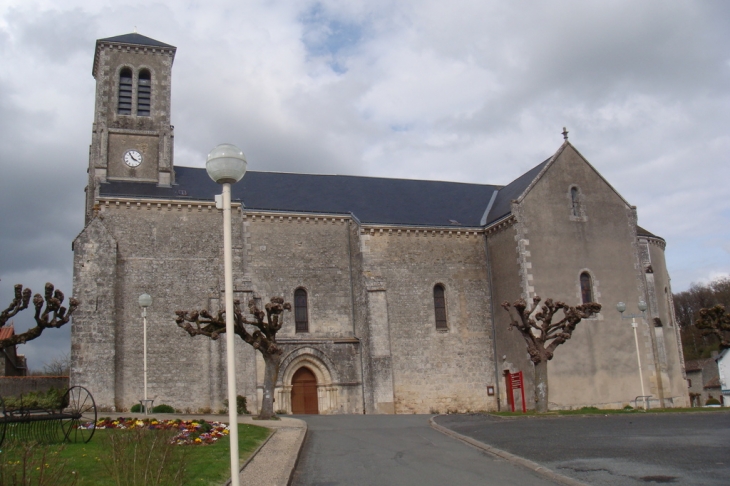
(132,139)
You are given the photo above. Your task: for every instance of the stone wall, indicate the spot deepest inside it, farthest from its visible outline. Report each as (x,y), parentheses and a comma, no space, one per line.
(430,369)
(285,252)
(666,331)
(507,261)
(174,254)
(13,386)
(94,324)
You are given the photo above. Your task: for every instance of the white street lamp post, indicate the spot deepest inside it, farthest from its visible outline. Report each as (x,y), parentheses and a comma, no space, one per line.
(621,307)
(226,165)
(145,301)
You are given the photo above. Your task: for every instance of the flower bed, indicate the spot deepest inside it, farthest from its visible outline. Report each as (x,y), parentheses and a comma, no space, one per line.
(191,432)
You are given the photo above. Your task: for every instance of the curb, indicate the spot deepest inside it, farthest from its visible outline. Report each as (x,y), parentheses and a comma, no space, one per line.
(253,454)
(521,461)
(299,455)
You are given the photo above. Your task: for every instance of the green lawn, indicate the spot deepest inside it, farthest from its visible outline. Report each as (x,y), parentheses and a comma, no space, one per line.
(110,451)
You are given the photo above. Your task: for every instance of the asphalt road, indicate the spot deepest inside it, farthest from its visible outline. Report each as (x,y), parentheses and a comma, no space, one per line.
(383,450)
(617,450)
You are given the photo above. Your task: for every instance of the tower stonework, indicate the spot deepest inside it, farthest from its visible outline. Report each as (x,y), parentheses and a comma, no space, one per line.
(132,138)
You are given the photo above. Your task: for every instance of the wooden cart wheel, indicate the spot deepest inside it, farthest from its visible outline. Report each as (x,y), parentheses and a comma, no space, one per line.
(80,407)
(3,420)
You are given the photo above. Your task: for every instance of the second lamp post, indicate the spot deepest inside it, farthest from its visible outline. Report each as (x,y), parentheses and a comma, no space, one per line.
(621,307)
(145,300)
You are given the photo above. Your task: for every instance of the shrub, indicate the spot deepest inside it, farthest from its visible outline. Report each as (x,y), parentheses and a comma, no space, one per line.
(205,427)
(137,408)
(712,401)
(280,412)
(50,399)
(162,408)
(241,408)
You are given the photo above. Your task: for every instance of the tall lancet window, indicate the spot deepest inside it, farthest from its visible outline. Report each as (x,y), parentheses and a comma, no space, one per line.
(144,93)
(124,106)
(586,288)
(439,306)
(301,318)
(575,201)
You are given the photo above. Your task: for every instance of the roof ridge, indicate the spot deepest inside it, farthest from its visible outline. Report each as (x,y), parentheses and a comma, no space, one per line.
(357,177)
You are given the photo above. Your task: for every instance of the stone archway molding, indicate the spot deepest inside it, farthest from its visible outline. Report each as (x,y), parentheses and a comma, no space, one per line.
(322,367)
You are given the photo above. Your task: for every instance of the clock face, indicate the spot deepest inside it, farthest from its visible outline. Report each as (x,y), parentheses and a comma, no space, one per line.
(132,158)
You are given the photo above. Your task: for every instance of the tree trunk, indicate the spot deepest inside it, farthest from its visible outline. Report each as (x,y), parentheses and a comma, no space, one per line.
(271,374)
(541,387)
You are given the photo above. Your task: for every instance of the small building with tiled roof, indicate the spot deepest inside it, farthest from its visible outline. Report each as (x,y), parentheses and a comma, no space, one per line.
(700,374)
(14,363)
(396,283)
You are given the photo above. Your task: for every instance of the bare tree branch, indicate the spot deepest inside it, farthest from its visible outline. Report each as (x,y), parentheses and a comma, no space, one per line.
(547,335)
(715,321)
(54,315)
(266,324)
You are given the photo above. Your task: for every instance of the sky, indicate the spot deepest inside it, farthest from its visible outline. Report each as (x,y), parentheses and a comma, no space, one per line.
(466,90)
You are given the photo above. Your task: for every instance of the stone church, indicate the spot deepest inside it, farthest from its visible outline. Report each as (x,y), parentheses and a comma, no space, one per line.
(396,284)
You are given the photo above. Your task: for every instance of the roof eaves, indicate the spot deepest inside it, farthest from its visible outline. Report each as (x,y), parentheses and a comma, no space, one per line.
(647,234)
(130,39)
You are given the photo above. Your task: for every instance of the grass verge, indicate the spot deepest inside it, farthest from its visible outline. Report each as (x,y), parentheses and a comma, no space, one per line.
(93,463)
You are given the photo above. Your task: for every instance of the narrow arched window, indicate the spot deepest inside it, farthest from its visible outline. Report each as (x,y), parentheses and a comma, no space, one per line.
(439,306)
(124,106)
(586,288)
(144,93)
(300,311)
(575,201)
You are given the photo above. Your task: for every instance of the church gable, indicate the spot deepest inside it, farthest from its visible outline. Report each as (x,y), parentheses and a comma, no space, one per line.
(569,162)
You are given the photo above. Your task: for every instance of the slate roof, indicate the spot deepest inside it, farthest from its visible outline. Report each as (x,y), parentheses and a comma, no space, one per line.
(714,382)
(642,232)
(502,204)
(370,199)
(135,38)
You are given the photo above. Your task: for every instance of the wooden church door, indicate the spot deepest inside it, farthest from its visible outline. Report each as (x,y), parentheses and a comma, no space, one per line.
(304,392)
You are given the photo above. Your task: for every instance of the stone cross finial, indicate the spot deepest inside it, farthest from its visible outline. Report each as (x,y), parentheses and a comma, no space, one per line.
(565,133)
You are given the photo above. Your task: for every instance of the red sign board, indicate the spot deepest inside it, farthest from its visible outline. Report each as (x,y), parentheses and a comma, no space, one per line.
(515,381)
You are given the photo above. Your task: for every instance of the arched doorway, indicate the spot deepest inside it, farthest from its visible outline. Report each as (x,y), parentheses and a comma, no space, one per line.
(304,392)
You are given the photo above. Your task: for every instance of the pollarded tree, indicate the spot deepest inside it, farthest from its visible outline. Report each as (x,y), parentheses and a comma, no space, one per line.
(542,335)
(54,315)
(263,338)
(715,321)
